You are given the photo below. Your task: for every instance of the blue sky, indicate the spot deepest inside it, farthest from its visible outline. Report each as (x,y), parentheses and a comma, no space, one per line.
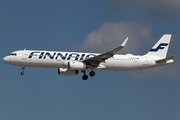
(93,26)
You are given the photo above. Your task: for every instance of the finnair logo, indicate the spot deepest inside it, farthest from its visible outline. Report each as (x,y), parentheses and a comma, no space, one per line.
(59,55)
(161,46)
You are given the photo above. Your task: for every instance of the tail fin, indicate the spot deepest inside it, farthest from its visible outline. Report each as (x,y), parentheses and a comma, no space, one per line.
(161,47)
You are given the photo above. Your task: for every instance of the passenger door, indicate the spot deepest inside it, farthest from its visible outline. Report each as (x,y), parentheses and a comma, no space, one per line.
(24,55)
(145,63)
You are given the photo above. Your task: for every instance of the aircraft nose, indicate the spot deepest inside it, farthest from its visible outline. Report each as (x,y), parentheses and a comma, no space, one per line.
(5,59)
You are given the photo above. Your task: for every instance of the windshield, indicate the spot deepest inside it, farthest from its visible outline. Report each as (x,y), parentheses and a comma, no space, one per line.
(13,54)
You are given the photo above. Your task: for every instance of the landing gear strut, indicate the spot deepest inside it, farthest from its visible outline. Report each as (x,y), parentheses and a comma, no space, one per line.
(84,77)
(22,73)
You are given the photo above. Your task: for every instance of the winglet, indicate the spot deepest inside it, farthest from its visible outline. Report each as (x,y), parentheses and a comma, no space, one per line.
(120,47)
(124,42)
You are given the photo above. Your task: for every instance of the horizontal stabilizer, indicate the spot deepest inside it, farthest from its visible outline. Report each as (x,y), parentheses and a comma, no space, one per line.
(165,59)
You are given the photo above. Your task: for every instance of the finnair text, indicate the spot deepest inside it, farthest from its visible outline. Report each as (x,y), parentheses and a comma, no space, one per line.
(60,56)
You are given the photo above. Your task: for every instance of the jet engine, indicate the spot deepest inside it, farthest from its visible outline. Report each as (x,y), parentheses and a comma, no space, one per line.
(74,65)
(67,72)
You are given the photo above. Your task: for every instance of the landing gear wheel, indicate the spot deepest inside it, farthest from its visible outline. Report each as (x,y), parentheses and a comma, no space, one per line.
(22,73)
(92,73)
(84,77)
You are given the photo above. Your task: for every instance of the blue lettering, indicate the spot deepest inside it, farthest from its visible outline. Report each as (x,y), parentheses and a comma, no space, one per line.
(73,55)
(82,56)
(32,54)
(49,55)
(62,57)
(41,55)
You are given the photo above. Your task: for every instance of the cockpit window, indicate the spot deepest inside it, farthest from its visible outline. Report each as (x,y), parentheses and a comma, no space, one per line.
(13,54)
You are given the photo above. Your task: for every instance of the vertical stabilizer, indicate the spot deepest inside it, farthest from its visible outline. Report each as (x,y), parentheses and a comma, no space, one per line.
(161,47)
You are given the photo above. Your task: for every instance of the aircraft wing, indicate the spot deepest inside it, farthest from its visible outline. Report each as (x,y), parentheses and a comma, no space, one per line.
(165,59)
(95,61)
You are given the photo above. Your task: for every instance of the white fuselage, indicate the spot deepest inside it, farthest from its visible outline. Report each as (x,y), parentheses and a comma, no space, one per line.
(55,59)
(70,63)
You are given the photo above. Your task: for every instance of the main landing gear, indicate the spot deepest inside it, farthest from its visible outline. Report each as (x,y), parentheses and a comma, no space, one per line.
(85,77)
(22,72)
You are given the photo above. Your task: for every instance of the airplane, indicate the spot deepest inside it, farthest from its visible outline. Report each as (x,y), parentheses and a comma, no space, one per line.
(70,63)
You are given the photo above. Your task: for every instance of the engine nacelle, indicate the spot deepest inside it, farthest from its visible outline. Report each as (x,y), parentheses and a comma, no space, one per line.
(74,65)
(67,72)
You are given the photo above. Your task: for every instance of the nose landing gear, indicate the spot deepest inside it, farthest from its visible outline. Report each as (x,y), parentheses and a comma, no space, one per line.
(22,72)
